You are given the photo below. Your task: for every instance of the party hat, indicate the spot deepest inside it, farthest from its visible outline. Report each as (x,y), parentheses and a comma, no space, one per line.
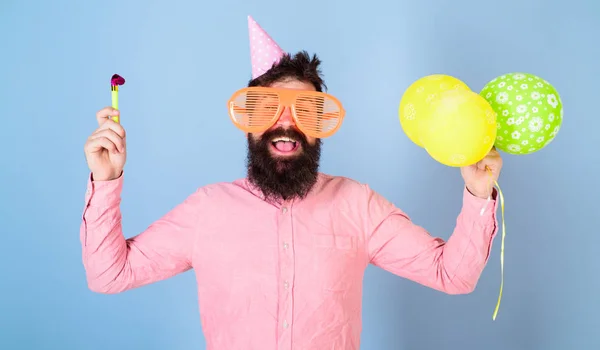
(264,51)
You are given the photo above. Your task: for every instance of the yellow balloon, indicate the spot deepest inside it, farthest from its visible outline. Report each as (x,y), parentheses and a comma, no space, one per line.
(417,99)
(460,130)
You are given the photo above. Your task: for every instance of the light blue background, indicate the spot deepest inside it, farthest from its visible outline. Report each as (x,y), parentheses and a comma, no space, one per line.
(183,60)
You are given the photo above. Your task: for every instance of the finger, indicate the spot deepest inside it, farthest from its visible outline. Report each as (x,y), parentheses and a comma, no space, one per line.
(491,157)
(114,126)
(490,164)
(96,144)
(103,115)
(112,136)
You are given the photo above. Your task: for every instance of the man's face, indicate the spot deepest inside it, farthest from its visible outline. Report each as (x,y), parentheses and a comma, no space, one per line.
(282,161)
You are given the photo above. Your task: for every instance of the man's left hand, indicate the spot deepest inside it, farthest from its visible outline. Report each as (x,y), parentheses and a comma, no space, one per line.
(477,176)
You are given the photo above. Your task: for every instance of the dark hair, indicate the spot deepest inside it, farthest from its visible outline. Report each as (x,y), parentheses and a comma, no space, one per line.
(300,67)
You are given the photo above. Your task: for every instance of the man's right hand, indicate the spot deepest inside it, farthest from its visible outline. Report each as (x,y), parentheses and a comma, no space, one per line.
(105,149)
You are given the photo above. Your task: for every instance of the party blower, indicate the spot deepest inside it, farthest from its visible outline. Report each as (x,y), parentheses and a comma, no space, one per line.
(115,82)
(518,113)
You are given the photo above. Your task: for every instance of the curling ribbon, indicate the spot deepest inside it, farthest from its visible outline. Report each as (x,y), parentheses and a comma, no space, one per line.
(503,236)
(502,245)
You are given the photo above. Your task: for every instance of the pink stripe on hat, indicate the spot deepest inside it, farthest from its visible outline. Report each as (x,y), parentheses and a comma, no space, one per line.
(264,51)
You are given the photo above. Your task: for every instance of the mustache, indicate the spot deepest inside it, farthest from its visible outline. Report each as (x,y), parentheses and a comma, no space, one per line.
(281,132)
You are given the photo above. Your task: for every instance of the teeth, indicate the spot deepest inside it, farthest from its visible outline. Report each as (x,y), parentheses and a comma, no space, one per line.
(287,139)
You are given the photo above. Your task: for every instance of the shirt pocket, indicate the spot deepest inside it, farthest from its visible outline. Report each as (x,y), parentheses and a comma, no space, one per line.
(336,264)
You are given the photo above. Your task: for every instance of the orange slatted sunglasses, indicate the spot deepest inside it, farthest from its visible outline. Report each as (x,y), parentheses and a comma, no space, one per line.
(256,109)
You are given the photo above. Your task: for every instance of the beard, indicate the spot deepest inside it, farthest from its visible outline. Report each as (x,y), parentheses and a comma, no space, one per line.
(283,177)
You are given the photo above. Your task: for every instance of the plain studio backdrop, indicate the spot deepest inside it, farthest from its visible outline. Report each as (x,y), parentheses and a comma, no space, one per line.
(183,59)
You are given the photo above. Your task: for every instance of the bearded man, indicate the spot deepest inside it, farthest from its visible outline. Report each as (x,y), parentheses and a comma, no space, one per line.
(279,256)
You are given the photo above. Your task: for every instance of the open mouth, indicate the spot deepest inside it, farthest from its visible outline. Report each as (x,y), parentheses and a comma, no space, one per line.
(285,145)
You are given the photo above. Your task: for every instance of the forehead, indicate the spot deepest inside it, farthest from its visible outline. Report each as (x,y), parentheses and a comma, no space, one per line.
(293,84)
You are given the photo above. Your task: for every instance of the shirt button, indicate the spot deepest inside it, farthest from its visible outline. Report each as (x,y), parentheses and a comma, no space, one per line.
(284,210)
(285,246)
(286,285)
(285,324)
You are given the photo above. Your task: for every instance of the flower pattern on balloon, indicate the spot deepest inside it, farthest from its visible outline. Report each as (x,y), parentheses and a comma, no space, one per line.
(529,109)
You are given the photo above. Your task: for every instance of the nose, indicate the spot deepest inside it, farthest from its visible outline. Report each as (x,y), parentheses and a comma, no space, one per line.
(286,119)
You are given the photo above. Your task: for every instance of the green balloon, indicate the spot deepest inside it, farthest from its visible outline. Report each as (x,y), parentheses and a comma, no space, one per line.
(530,112)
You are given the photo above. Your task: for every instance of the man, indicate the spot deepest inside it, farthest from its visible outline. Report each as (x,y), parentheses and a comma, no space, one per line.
(279,256)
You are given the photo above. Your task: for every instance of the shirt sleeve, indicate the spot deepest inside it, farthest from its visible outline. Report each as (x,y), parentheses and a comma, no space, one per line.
(115,264)
(405,249)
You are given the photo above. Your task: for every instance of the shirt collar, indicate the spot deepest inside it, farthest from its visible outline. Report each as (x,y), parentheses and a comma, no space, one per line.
(278,202)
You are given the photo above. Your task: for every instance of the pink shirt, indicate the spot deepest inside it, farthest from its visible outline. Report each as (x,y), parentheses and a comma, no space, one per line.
(281,275)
